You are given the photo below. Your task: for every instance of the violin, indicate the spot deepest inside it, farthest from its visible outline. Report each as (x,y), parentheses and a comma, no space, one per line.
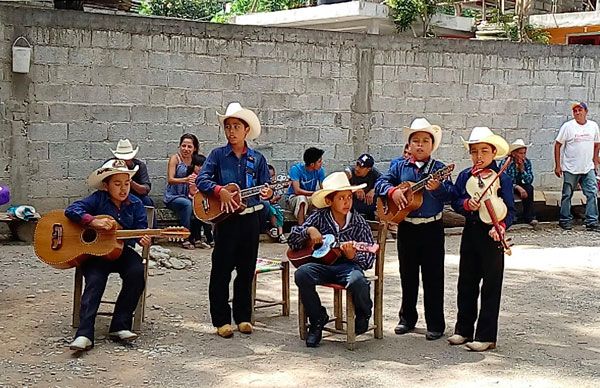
(483,187)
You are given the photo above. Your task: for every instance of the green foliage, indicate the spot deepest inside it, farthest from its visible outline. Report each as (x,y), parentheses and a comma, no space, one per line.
(186,9)
(530,32)
(242,7)
(406,12)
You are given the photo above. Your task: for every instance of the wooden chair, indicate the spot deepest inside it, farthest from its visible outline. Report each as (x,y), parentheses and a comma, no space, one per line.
(138,316)
(338,318)
(272,265)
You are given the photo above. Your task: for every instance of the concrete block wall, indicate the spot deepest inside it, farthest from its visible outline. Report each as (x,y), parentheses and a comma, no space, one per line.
(97,78)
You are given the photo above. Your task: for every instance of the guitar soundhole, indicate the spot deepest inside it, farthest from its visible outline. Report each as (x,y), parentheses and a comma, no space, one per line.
(89,236)
(318,246)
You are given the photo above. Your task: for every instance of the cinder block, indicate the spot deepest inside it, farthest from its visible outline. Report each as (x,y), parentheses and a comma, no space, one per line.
(130,59)
(129,94)
(133,131)
(272,67)
(74,150)
(332,135)
(81,131)
(50,92)
(185,115)
(81,169)
(141,42)
(202,63)
(110,113)
(70,74)
(188,80)
(63,113)
(204,98)
(51,169)
(90,94)
(38,150)
(167,96)
(50,55)
(234,65)
(148,114)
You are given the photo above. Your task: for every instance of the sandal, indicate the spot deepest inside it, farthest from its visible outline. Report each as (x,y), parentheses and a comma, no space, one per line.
(282,239)
(188,245)
(273,232)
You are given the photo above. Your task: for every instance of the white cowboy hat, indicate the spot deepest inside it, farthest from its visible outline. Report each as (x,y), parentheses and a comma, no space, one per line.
(519,143)
(485,135)
(125,150)
(234,109)
(336,181)
(422,125)
(110,167)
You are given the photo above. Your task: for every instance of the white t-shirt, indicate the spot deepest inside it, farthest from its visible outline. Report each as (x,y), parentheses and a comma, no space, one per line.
(577,151)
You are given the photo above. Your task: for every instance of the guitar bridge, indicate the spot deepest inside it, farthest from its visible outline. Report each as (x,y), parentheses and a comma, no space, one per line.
(205,205)
(57,234)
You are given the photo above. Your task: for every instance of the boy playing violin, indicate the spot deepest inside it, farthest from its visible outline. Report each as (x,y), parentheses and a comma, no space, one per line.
(113,198)
(420,237)
(481,254)
(335,216)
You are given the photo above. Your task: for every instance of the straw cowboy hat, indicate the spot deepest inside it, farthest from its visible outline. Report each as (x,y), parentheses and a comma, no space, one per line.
(235,110)
(336,181)
(125,150)
(519,143)
(485,135)
(111,167)
(422,125)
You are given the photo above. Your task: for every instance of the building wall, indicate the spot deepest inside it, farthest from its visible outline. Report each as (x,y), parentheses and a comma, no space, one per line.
(97,78)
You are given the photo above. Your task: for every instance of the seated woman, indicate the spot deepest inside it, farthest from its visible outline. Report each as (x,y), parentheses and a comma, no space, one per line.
(176,195)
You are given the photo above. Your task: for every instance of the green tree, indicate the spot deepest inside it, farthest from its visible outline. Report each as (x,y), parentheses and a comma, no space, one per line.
(406,12)
(187,9)
(243,7)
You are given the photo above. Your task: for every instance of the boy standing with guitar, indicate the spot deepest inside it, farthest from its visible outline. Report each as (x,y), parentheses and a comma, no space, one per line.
(334,217)
(236,237)
(113,198)
(420,235)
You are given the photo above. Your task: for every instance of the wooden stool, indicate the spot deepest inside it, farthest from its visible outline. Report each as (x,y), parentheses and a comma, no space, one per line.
(271,265)
(138,316)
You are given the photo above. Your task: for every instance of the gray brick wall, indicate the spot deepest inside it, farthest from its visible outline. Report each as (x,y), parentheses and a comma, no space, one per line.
(98,78)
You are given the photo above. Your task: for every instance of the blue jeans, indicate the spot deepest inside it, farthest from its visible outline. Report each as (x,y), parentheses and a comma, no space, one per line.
(183,207)
(590,190)
(347,273)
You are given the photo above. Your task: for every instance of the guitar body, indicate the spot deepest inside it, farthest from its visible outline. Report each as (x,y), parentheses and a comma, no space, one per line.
(64,244)
(388,211)
(207,208)
(305,255)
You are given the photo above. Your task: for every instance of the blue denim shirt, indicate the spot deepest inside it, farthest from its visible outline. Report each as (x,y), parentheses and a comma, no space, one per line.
(505,192)
(402,170)
(131,215)
(222,167)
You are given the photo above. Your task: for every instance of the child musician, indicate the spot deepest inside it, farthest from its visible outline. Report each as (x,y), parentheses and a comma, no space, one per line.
(334,217)
(113,198)
(481,254)
(421,235)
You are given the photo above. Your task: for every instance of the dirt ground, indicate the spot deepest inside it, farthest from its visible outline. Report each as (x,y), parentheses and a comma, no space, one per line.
(549,329)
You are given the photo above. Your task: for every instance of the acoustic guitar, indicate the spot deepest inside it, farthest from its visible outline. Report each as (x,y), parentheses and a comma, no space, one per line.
(326,253)
(207,208)
(65,244)
(388,211)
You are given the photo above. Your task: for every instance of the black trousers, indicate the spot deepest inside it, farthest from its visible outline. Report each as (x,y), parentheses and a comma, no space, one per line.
(236,247)
(95,271)
(528,214)
(481,261)
(422,246)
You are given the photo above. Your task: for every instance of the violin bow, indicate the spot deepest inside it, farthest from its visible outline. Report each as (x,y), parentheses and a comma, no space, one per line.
(502,169)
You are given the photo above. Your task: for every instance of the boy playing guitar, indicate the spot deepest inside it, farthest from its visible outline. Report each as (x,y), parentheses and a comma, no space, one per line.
(334,217)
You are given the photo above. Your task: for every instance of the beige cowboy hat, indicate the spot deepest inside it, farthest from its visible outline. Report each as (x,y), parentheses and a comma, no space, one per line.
(125,150)
(519,143)
(235,110)
(336,181)
(485,135)
(110,167)
(422,125)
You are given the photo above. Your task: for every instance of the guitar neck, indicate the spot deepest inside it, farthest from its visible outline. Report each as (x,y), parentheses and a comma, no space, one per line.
(123,234)
(252,191)
(420,185)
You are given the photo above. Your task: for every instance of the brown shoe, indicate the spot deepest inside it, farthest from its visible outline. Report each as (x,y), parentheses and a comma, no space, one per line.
(245,327)
(225,331)
(457,339)
(477,346)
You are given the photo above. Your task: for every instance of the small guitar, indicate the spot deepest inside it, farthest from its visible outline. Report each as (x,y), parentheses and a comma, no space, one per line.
(64,244)
(327,253)
(388,211)
(207,208)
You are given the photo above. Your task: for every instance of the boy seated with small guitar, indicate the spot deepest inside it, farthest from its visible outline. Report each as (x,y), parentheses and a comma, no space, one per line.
(420,236)
(113,198)
(236,237)
(334,217)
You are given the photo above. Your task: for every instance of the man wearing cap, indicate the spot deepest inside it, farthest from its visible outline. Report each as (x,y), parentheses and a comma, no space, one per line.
(112,198)
(575,158)
(521,172)
(236,238)
(140,183)
(364,172)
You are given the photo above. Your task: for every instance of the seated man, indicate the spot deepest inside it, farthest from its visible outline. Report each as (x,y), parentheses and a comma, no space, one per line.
(112,198)
(306,179)
(334,217)
(364,172)
(521,172)
(140,183)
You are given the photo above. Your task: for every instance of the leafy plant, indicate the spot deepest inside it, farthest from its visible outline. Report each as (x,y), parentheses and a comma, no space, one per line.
(406,12)
(243,7)
(186,9)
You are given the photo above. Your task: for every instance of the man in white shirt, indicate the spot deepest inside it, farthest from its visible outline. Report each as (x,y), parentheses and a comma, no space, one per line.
(575,159)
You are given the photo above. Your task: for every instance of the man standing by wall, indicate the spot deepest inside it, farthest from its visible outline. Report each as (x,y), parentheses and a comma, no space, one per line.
(575,158)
